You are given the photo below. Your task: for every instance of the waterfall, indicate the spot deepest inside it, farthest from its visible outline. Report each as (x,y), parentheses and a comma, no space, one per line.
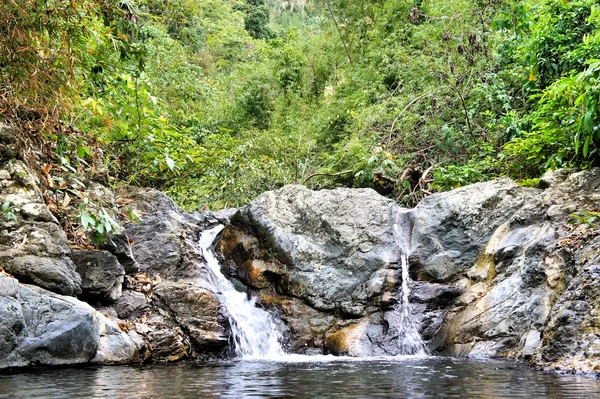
(253,332)
(410,342)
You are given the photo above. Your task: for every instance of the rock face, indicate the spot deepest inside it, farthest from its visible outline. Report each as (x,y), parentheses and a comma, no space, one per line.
(328,261)
(525,294)
(493,275)
(33,247)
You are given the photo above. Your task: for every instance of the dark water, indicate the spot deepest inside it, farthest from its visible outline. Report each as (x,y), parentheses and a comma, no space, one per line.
(302,378)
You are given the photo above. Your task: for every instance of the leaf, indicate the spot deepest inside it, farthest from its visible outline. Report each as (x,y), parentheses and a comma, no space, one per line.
(170,162)
(87,220)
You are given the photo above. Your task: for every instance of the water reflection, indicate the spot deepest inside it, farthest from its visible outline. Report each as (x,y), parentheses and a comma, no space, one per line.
(302,378)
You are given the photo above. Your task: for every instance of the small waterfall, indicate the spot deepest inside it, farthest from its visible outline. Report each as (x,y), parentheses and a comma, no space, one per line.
(410,341)
(253,330)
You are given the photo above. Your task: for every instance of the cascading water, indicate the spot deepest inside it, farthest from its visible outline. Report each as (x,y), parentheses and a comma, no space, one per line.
(410,341)
(252,329)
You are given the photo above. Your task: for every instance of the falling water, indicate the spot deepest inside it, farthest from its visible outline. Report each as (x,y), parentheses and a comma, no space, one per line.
(410,341)
(252,329)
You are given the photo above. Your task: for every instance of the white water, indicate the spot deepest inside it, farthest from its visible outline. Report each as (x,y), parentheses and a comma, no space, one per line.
(410,341)
(253,331)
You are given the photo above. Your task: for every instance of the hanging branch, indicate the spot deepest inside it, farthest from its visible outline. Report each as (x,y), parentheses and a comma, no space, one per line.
(337,27)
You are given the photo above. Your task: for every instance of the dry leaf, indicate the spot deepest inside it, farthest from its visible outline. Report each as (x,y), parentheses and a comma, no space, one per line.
(66,201)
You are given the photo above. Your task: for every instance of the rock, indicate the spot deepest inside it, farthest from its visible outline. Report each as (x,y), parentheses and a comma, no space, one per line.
(116,346)
(118,245)
(571,339)
(196,310)
(131,305)
(168,345)
(40,327)
(34,248)
(452,228)
(322,261)
(101,274)
(314,237)
(57,275)
(146,200)
(8,142)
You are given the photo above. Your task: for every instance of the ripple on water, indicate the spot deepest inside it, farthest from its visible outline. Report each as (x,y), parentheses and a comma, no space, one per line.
(297,376)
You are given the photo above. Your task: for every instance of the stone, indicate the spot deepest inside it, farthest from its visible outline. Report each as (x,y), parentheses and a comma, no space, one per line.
(44,328)
(118,244)
(131,305)
(322,261)
(101,274)
(116,346)
(57,275)
(451,229)
(34,248)
(196,310)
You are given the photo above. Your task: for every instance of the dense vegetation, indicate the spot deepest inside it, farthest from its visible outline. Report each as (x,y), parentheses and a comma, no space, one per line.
(215,101)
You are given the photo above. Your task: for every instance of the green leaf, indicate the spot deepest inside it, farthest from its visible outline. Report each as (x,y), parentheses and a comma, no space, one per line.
(87,220)
(170,162)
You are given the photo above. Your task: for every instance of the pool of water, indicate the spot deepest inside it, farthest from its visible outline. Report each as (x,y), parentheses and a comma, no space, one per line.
(302,377)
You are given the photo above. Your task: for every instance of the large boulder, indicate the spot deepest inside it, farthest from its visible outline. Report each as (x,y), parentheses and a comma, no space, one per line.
(452,228)
(324,261)
(33,247)
(41,327)
(501,245)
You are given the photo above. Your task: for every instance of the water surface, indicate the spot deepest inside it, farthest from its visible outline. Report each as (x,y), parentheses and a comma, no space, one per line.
(303,377)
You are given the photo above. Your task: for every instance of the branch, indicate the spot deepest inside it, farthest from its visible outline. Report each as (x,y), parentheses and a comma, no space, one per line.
(327,174)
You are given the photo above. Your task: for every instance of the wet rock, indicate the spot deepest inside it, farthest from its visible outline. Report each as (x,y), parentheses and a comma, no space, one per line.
(168,345)
(101,273)
(196,310)
(321,260)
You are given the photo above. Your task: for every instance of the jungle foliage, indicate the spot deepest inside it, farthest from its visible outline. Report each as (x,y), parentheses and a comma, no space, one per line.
(216,101)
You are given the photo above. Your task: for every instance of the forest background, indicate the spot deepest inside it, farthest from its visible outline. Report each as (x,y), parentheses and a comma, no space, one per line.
(216,101)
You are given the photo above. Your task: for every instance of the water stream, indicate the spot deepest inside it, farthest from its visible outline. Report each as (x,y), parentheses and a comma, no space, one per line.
(253,331)
(410,341)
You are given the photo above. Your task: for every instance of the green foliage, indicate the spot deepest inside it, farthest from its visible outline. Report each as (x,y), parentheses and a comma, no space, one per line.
(8,211)
(96,222)
(591,218)
(215,101)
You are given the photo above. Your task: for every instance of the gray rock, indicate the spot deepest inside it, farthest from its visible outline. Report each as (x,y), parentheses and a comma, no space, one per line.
(196,310)
(570,340)
(315,237)
(146,200)
(131,305)
(101,274)
(34,248)
(325,262)
(118,245)
(44,328)
(452,228)
(57,275)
